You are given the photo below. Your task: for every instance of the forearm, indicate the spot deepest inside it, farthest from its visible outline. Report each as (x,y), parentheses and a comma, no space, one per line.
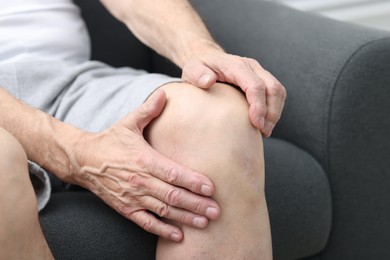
(46,140)
(171,27)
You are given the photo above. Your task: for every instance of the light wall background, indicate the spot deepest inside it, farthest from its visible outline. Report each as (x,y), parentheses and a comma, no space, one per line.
(371,13)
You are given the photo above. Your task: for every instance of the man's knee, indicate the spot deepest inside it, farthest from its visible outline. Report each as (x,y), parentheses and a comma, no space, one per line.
(209,131)
(215,106)
(219,108)
(214,124)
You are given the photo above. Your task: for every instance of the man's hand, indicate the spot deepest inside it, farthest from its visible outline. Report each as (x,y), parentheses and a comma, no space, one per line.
(263,91)
(173,29)
(138,182)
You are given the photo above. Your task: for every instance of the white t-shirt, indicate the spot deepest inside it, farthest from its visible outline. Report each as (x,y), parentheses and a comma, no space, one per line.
(42,29)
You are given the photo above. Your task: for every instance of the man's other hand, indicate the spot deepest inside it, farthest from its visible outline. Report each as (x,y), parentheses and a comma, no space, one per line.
(264,93)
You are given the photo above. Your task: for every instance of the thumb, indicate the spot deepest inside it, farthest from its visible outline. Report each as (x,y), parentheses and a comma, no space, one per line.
(198,74)
(143,115)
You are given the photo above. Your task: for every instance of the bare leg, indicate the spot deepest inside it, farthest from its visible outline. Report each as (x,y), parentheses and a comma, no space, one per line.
(210,132)
(21,236)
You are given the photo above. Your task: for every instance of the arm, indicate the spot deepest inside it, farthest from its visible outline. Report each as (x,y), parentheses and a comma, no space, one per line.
(45,139)
(117,164)
(173,29)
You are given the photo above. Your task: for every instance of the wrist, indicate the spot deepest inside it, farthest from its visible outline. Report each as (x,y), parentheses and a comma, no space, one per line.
(196,48)
(55,143)
(46,140)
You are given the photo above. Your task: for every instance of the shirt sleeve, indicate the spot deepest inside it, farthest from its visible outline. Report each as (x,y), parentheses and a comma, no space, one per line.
(41,183)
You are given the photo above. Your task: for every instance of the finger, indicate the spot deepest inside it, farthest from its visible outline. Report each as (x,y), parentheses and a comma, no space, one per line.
(276,96)
(181,216)
(255,95)
(155,226)
(198,74)
(255,91)
(173,196)
(175,174)
(239,71)
(143,115)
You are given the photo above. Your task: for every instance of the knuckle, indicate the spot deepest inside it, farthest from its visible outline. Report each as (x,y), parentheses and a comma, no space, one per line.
(147,225)
(259,85)
(252,62)
(172,175)
(194,184)
(125,211)
(283,92)
(273,116)
(257,91)
(256,86)
(184,218)
(197,206)
(140,159)
(136,181)
(277,90)
(122,210)
(144,111)
(163,209)
(239,64)
(173,197)
(128,211)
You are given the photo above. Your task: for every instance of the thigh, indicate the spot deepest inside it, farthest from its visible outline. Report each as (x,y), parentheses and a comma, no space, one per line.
(104,95)
(89,95)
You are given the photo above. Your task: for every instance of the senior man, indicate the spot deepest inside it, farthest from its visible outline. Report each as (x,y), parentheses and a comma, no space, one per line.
(191,153)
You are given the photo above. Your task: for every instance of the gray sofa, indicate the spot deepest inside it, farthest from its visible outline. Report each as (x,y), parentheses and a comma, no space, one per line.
(327,163)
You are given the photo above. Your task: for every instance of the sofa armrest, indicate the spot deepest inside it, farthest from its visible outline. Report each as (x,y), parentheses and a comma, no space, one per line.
(309,54)
(337,77)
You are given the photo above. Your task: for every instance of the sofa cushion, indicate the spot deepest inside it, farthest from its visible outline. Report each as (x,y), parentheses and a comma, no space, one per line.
(299,200)
(79,225)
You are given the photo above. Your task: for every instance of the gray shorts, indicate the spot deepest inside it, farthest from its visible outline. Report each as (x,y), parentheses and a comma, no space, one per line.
(91,96)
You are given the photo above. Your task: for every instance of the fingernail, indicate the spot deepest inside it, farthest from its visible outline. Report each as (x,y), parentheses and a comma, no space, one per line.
(199,222)
(261,122)
(211,213)
(206,190)
(176,237)
(204,80)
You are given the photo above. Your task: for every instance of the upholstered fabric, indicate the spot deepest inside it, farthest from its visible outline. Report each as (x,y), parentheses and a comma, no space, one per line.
(337,77)
(78,225)
(299,200)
